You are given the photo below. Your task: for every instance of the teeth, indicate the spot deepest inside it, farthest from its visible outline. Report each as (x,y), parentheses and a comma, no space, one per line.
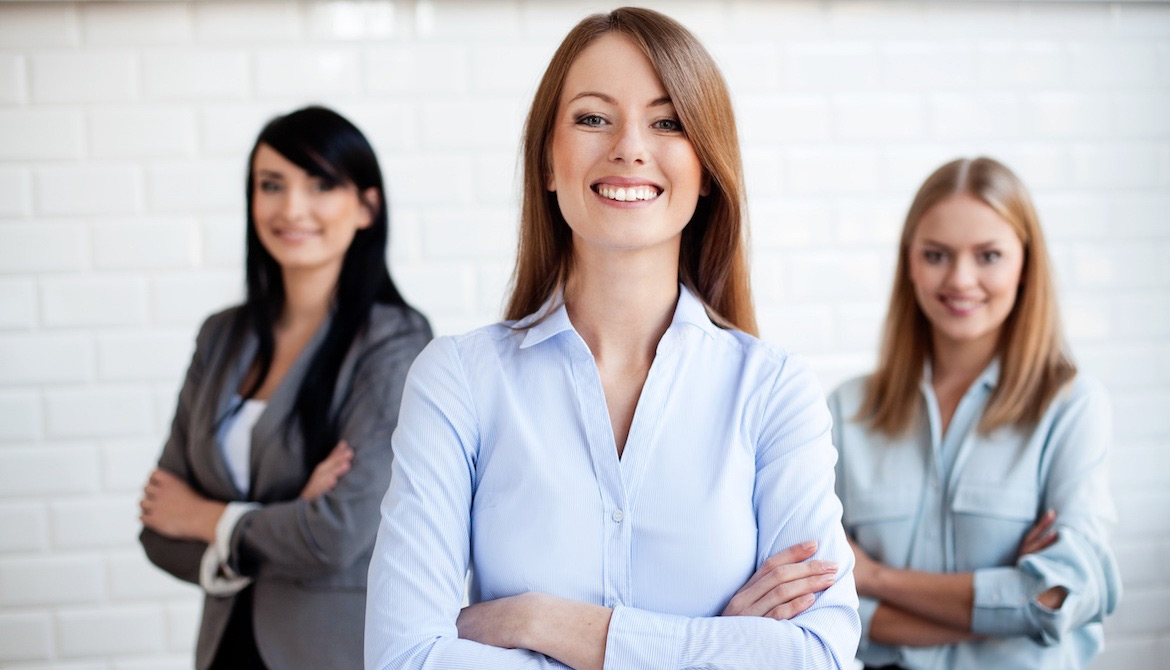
(627,193)
(963,304)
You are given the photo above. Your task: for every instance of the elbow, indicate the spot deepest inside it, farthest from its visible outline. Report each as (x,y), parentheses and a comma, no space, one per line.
(179,558)
(339,548)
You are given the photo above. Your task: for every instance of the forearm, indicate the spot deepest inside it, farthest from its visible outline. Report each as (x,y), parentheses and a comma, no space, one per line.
(572,632)
(894,626)
(301,539)
(941,597)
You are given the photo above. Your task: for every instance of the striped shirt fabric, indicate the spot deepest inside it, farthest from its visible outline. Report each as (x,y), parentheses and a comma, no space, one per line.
(505,465)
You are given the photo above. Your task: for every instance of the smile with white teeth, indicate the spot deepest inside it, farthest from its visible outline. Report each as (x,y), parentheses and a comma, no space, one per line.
(627,193)
(961,305)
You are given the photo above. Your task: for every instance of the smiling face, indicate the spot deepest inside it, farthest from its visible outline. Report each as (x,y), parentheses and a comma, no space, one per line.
(625,175)
(965,264)
(305,222)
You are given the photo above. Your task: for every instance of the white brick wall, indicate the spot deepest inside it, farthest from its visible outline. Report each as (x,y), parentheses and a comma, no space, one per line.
(124,127)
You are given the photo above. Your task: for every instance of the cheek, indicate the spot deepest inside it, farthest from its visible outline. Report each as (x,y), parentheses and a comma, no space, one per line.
(689,173)
(919,275)
(1007,281)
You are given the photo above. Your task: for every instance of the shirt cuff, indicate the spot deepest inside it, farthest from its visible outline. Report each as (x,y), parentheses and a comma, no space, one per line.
(212,578)
(641,639)
(1002,601)
(224,529)
(216,578)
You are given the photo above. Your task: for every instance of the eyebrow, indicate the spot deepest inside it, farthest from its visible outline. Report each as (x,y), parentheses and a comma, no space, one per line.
(664,100)
(981,245)
(269,173)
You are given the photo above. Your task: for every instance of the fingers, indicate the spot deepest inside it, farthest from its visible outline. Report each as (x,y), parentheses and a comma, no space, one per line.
(824,574)
(794,554)
(791,608)
(780,585)
(1042,525)
(161,477)
(341,455)
(329,471)
(1042,535)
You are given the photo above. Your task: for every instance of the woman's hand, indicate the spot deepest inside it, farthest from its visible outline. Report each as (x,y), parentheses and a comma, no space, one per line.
(328,472)
(784,585)
(865,570)
(172,508)
(1041,536)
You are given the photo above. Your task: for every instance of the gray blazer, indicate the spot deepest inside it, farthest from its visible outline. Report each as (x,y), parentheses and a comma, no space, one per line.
(309,559)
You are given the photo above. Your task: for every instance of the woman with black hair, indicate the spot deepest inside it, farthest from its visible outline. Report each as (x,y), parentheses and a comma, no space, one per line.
(267,490)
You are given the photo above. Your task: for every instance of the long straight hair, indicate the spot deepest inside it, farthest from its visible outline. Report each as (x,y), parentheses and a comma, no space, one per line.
(713,254)
(1034,363)
(326,145)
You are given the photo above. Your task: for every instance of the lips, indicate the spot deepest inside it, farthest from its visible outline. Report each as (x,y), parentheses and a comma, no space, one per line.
(295,234)
(961,305)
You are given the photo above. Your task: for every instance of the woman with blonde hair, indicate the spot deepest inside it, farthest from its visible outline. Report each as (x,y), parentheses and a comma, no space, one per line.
(972,461)
(622,461)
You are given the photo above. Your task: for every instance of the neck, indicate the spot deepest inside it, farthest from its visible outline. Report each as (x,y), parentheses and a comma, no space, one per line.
(959,363)
(308,294)
(622,306)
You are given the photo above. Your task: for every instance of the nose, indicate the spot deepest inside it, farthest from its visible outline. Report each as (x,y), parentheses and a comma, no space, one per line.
(962,273)
(629,145)
(295,204)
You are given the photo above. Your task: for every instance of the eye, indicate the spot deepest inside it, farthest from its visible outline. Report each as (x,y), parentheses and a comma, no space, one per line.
(591,120)
(990,256)
(933,256)
(270,186)
(668,125)
(319,185)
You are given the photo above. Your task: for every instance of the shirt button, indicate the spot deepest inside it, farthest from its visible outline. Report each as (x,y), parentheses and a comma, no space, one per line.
(617,516)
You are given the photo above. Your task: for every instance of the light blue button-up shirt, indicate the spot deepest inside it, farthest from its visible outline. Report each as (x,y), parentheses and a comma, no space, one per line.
(962,502)
(505,463)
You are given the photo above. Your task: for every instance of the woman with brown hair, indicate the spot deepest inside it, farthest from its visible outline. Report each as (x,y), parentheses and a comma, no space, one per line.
(972,461)
(622,461)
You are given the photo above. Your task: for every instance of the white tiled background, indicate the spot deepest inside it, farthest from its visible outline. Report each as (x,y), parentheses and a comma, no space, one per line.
(123,132)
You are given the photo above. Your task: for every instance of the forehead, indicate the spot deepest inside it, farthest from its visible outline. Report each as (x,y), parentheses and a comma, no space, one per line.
(615,66)
(962,220)
(271,160)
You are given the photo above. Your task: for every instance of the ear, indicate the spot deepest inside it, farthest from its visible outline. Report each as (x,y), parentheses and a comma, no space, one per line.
(705,184)
(550,181)
(371,201)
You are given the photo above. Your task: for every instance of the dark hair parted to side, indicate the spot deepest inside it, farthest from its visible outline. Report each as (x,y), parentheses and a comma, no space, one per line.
(326,145)
(1034,363)
(713,256)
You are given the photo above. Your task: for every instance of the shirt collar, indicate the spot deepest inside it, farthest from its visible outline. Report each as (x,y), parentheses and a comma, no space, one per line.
(691,310)
(553,319)
(988,378)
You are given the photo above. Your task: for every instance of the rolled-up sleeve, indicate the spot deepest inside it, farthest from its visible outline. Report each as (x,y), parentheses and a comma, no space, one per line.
(1080,561)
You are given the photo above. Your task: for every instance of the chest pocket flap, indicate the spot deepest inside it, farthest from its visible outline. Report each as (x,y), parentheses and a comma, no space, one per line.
(880,505)
(995,500)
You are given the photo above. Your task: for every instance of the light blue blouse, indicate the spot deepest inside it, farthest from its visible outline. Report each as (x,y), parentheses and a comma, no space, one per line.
(505,462)
(962,502)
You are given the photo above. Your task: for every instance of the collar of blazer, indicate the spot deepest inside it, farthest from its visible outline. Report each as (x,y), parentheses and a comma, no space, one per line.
(273,456)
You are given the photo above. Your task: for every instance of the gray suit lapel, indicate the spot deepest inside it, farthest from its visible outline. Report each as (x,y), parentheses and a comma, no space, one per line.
(268,438)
